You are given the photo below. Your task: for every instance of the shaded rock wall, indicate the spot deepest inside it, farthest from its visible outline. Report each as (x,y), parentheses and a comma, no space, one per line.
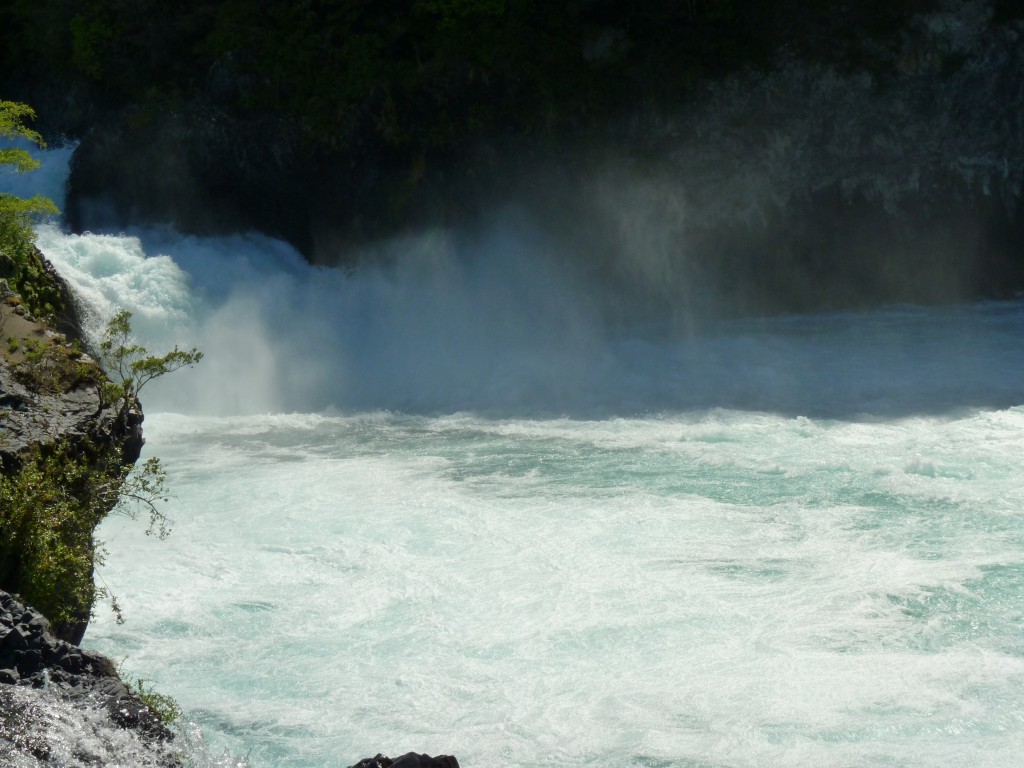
(811,188)
(30,418)
(800,187)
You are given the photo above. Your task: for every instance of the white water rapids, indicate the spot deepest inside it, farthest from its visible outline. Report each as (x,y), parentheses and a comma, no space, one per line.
(439,507)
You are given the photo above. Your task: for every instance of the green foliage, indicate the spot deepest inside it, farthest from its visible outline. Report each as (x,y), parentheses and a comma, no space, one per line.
(91,37)
(46,551)
(162,705)
(12,125)
(19,262)
(21,265)
(53,368)
(48,511)
(131,367)
(165,707)
(139,492)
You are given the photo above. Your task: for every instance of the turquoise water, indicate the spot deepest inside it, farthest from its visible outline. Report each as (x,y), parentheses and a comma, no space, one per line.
(446,506)
(715,588)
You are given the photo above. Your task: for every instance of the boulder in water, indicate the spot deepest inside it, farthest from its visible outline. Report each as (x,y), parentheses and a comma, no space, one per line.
(408,760)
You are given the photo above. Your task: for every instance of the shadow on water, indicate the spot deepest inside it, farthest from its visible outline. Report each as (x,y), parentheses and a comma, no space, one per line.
(876,364)
(902,362)
(882,364)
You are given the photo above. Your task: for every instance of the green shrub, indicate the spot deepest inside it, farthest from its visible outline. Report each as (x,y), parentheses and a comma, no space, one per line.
(165,707)
(49,510)
(53,368)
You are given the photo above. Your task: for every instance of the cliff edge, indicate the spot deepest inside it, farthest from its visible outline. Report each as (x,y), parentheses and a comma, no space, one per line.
(64,452)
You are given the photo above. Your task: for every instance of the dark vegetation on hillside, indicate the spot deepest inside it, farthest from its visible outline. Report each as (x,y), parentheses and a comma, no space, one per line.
(332,123)
(428,74)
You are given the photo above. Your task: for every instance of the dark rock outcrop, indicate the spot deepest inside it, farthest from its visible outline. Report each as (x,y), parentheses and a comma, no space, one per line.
(73,679)
(408,760)
(217,173)
(37,419)
(30,418)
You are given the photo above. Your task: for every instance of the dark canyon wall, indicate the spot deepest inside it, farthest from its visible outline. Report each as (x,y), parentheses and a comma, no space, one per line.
(791,158)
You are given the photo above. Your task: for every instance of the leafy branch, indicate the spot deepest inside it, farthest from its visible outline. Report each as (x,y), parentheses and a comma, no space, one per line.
(142,489)
(19,263)
(12,124)
(130,367)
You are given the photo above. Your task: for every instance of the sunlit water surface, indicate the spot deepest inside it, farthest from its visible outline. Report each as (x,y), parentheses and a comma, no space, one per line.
(714,588)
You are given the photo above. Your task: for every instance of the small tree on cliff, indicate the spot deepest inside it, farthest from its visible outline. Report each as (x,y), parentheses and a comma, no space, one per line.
(131,367)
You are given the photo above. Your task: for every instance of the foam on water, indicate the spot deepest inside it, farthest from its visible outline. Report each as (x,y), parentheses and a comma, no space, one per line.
(40,729)
(710,589)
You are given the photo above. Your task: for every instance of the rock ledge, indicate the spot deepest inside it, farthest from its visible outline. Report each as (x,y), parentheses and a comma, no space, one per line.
(73,680)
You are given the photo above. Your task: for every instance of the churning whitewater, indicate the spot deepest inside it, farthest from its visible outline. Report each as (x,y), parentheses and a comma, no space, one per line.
(442,505)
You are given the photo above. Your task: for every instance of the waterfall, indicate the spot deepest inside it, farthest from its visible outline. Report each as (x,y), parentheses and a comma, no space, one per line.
(449,502)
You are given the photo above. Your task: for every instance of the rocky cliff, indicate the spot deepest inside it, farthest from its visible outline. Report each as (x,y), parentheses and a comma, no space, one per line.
(34,417)
(62,452)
